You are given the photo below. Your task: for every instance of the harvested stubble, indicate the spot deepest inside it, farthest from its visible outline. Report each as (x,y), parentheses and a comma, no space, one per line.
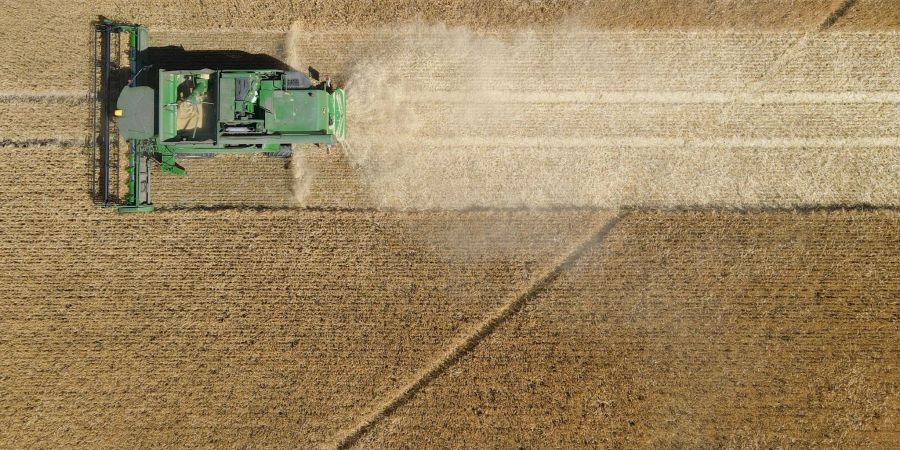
(327,180)
(227,180)
(230,327)
(689,329)
(260,181)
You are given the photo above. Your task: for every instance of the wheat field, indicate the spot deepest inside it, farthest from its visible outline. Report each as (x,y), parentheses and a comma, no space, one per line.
(554,224)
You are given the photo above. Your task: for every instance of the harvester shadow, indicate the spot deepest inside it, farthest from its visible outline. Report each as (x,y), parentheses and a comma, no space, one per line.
(175,57)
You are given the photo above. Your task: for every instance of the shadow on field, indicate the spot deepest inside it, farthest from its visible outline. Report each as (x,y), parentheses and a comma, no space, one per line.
(175,57)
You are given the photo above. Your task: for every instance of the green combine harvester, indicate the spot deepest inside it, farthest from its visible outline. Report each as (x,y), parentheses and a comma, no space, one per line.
(166,114)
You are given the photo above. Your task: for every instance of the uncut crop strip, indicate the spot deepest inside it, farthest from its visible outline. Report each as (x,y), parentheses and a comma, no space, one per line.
(51,54)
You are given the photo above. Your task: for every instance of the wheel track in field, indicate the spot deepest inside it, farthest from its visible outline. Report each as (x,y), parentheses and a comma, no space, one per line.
(503,314)
(484,329)
(837,14)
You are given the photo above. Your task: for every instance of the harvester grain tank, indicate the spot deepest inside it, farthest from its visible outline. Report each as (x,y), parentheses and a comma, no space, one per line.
(164,115)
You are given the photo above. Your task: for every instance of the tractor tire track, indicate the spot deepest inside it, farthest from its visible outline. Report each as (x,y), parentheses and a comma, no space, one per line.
(465,346)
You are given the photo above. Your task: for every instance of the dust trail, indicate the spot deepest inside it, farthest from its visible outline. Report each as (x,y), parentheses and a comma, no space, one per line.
(303,178)
(385,112)
(451,118)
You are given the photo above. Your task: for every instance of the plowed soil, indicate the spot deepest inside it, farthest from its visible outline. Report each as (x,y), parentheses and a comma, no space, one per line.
(460,274)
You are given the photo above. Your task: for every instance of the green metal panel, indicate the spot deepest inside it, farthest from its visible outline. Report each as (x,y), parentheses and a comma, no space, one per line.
(305,116)
(337,105)
(168,112)
(226,99)
(321,138)
(166,158)
(136,104)
(301,111)
(136,209)
(142,39)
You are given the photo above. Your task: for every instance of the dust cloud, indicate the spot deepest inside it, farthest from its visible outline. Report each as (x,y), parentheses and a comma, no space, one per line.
(427,114)
(453,118)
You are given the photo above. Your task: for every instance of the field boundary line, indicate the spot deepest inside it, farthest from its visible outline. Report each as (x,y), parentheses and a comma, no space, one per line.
(465,346)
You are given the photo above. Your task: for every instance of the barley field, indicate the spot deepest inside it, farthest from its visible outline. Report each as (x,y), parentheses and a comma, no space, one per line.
(553,224)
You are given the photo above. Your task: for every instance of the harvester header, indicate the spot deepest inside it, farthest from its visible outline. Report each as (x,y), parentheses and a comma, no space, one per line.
(164,114)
